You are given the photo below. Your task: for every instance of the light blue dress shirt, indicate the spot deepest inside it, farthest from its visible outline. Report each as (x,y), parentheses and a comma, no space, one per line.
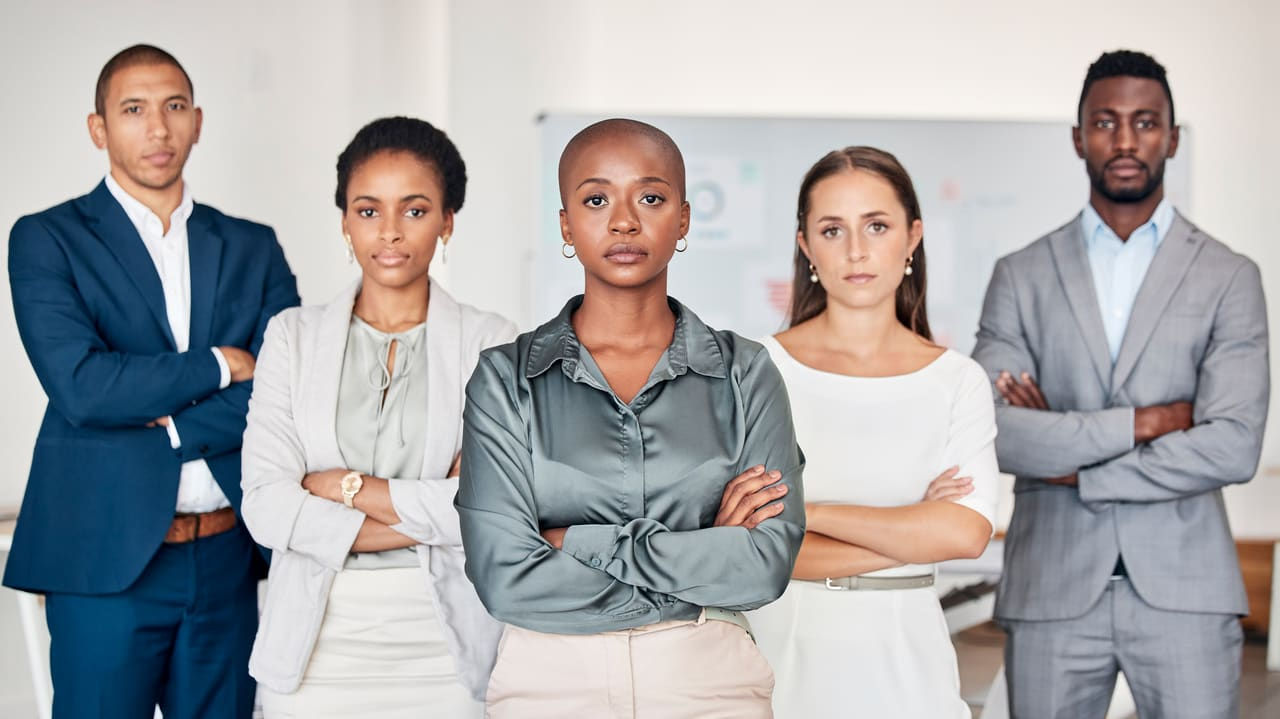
(1119,266)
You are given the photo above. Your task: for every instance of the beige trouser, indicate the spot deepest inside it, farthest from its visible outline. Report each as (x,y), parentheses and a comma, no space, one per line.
(670,670)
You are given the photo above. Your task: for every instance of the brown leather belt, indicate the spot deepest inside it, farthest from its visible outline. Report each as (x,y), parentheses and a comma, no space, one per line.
(190,527)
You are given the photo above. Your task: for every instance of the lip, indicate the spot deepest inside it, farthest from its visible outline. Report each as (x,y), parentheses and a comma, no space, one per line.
(1125,168)
(159,159)
(390,259)
(859,278)
(625,253)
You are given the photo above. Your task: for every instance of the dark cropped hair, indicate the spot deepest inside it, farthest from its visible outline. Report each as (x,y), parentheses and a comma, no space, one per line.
(406,134)
(808,298)
(1125,63)
(132,57)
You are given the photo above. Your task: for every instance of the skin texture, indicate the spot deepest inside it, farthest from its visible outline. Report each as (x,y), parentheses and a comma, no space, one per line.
(622,184)
(393,217)
(858,238)
(1125,137)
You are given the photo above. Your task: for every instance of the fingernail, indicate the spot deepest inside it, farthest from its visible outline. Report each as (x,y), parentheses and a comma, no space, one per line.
(757,469)
(782,489)
(776,474)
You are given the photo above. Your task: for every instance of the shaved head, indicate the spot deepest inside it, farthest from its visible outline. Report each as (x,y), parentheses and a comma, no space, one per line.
(625,131)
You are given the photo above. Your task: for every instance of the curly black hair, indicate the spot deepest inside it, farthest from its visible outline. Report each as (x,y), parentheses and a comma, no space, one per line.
(406,134)
(1125,63)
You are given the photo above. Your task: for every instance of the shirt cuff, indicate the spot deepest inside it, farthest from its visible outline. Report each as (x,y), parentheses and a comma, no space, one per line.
(1133,441)
(175,442)
(591,544)
(223,369)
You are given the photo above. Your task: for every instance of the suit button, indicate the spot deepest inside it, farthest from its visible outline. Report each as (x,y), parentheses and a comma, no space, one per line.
(595,561)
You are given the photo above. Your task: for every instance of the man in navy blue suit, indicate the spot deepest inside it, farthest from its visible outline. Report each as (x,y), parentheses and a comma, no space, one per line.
(141,312)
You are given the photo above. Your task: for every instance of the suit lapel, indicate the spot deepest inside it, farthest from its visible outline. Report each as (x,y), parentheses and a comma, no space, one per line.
(1168,267)
(1072,262)
(204,253)
(325,374)
(444,401)
(110,223)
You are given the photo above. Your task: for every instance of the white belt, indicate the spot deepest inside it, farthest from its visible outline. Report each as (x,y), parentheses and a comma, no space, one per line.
(716,614)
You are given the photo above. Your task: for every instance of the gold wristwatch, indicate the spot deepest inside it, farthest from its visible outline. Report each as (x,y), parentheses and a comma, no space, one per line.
(351,484)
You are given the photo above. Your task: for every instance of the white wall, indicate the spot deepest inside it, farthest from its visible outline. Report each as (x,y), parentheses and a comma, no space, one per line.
(1003,59)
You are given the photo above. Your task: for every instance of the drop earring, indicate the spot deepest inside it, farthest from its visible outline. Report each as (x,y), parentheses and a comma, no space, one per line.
(444,248)
(908,271)
(351,250)
(813,273)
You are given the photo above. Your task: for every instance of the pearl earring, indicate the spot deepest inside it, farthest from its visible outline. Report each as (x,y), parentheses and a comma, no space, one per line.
(813,273)
(908,271)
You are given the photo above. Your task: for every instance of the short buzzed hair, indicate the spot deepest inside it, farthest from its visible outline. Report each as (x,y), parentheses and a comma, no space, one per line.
(621,127)
(132,57)
(1125,63)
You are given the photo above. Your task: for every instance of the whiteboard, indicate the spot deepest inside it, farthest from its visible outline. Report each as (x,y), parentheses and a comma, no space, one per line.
(986,188)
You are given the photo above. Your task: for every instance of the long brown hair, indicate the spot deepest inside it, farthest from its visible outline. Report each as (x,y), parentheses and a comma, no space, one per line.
(808,299)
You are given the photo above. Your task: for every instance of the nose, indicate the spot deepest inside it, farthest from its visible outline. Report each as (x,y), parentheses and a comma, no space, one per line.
(623,220)
(858,248)
(1126,140)
(389,228)
(157,125)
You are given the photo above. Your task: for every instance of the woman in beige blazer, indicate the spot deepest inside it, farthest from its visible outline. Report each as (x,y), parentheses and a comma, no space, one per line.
(351,459)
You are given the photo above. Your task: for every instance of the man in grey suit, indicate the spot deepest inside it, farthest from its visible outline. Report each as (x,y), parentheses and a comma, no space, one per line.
(1130,349)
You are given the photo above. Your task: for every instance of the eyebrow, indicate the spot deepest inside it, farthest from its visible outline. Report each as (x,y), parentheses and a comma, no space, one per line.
(642,180)
(865,216)
(134,100)
(406,198)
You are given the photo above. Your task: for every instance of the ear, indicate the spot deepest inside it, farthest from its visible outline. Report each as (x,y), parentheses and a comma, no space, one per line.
(916,235)
(345,232)
(564,228)
(803,244)
(447,228)
(199,123)
(1077,139)
(1174,135)
(684,218)
(97,130)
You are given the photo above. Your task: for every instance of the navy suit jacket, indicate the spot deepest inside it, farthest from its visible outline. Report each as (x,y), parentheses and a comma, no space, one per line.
(90,310)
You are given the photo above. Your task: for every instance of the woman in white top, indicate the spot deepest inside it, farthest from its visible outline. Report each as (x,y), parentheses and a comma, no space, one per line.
(350,459)
(885,417)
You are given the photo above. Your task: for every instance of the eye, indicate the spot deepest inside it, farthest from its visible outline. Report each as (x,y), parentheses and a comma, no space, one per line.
(367,212)
(132,109)
(876,227)
(831,232)
(177,106)
(1145,124)
(652,199)
(1104,124)
(595,201)
(415,212)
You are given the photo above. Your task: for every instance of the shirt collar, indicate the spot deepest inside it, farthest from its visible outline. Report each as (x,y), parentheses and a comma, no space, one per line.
(693,344)
(138,212)
(1161,221)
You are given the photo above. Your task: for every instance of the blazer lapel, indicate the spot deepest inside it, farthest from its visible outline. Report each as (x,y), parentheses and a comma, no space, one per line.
(110,223)
(324,374)
(1074,273)
(1168,267)
(204,253)
(444,396)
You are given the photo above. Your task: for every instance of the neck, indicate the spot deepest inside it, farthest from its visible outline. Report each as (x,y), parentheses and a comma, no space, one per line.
(863,332)
(630,316)
(393,309)
(162,201)
(1125,217)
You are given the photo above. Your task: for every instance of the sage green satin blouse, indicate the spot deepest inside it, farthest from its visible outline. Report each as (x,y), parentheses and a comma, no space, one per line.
(546,443)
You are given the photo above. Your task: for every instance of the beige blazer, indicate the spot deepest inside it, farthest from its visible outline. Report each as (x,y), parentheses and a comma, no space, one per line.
(291,431)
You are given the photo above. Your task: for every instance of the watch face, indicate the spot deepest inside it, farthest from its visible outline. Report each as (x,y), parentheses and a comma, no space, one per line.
(352,483)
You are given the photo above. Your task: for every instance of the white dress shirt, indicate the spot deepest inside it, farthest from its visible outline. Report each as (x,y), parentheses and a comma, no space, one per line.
(197,489)
(1119,266)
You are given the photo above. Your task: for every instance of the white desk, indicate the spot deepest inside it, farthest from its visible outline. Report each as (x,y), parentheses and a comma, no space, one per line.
(32,633)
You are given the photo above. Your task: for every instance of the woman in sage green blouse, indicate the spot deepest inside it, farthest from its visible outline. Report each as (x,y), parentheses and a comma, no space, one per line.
(350,459)
(628,472)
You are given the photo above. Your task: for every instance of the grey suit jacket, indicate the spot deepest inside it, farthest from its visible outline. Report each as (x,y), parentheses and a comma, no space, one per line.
(1198,333)
(292,431)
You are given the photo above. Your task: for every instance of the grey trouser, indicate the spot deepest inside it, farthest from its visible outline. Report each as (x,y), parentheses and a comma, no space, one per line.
(1178,664)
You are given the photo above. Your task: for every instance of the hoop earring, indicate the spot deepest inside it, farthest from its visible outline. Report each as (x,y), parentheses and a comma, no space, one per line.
(568,251)
(351,250)
(813,273)
(908,271)
(682,248)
